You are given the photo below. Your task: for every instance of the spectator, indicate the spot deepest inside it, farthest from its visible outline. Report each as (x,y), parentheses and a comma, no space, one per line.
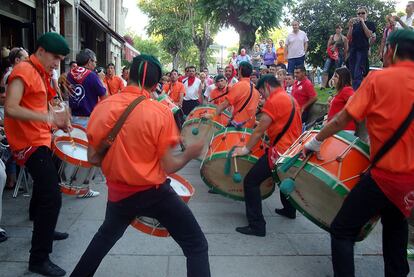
(254,77)
(296,47)
(269,57)
(281,77)
(210,80)
(230,73)
(191,84)
(3,234)
(203,86)
(263,46)
(243,57)
(337,50)
(389,28)
(343,85)
(220,71)
(233,60)
(359,33)
(290,81)
(273,69)
(406,21)
(256,57)
(114,84)
(280,53)
(270,42)
(125,75)
(304,92)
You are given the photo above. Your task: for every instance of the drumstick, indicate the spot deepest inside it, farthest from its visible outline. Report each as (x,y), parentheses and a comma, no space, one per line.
(236,176)
(287,186)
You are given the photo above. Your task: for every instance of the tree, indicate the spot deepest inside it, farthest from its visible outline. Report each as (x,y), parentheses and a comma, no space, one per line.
(318,19)
(245,16)
(167,20)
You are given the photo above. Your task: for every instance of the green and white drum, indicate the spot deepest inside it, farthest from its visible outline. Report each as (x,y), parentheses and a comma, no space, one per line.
(196,127)
(166,100)
(218,169)
(319,187)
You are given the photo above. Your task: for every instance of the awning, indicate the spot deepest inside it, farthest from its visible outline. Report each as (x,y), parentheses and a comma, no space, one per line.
(129,52)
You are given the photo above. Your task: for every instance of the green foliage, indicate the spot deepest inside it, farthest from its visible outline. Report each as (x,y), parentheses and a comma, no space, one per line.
(245,16)
(318,20)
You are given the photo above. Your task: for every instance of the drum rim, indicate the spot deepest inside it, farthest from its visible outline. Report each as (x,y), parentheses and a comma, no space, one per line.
(67,158)
(233,130)
(186,183)
(209,106)
(197,120)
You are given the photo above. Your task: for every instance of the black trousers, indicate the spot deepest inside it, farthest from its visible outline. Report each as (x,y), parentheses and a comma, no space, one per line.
(364,202)
(256,175)
(170,210)
(45,203)
(179,119)
(189,105)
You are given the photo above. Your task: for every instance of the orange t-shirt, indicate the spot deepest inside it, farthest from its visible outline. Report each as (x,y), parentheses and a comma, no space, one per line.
(22,134)
(174,93)
(278,107)
(280,53)
(114,85)
(134,159)
(217,93)
(386,104)
(237,96)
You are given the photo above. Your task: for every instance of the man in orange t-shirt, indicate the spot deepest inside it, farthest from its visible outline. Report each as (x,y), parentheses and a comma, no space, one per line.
(28,130)
(217,95)
(280,53)
(276,113)
(114,84)
(174,89)
(384,99)
(136,167)
(243,98)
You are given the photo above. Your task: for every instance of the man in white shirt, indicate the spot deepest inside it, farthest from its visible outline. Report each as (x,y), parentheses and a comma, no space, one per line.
(296,46)
(406,21)
(191,84)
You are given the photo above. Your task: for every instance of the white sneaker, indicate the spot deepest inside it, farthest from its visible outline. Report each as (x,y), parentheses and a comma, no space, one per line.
(89,194)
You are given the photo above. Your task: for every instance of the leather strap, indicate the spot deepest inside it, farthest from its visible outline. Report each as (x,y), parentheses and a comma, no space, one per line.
(288,123)
(118,125)
(394,138)
(245,103)
(221,95)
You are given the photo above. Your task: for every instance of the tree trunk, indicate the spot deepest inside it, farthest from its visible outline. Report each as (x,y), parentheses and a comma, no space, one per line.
(247,37)
(175,60)
(203,57)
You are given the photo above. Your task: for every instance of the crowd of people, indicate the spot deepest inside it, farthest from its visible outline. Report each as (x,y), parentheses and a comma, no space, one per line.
(270,82)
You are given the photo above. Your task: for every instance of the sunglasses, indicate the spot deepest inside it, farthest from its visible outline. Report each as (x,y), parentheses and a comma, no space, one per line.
(361,13)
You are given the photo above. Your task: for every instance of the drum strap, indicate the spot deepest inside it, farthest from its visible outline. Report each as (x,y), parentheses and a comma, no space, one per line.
(394,139)
(245,103)
(106,143)
(288,123)
(221,95)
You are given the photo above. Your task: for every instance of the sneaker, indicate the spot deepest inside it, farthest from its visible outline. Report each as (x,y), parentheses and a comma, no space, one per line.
(410,252)
(89,194)
(3,235)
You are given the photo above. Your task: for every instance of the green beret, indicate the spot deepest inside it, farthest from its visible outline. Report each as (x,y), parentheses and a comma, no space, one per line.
(53,43)
(147,58)
(264,79)
(219,77)
(245,65)
(401,35)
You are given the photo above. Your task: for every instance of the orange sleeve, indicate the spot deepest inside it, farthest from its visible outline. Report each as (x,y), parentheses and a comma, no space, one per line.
(20,72)
(358,105)
(270,109)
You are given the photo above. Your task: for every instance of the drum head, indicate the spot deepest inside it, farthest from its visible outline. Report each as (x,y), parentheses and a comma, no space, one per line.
(318,196)
(151,225)
(212,173)
(204,131)
(73,151)
(77,132)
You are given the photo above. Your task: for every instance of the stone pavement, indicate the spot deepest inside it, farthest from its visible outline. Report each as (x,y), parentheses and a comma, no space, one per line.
(291,247)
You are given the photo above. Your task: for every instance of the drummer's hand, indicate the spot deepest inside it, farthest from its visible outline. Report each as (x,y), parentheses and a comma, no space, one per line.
(312,146)
(193,151)
(207,116)
(241,151)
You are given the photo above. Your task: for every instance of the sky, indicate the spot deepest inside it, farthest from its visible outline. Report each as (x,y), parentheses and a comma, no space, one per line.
(136,22)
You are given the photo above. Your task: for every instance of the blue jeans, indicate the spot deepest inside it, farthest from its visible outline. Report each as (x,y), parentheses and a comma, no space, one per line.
(358,60)
(329,63)
(163,204)
(292,63)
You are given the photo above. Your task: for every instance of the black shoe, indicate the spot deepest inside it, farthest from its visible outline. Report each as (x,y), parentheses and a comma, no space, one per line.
(212,191)
(60,236)
(283,212)
(3,235)
(247,230)
(47,268)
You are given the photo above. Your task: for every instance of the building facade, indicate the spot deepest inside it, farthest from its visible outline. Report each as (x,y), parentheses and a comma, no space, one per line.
(95,24)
